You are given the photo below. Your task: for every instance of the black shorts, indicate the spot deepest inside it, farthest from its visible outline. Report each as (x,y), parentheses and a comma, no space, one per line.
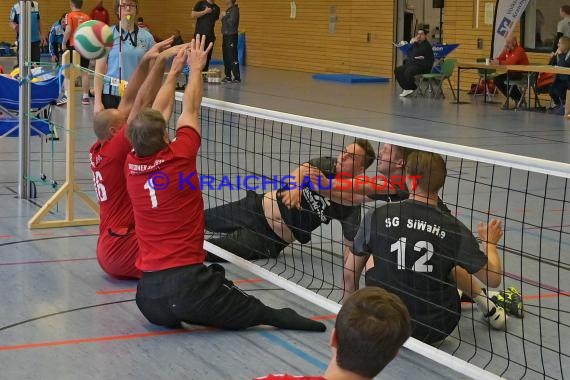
(84,62)
(110,101)
(249,236)
(196,294)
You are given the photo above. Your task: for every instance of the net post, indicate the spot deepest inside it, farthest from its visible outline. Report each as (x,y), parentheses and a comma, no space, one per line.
(24,117)
(70,188)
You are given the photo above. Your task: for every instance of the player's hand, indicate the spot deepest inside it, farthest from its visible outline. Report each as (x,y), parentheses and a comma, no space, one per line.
(490,233)
(318,179)
(291,198)
(180,60)
(207,10)
(158,48)
(198,53)
(223,13)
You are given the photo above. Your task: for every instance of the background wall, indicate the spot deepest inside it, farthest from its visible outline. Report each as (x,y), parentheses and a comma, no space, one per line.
(361,42)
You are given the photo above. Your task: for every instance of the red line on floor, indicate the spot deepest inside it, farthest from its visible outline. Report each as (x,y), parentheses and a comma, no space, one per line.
(132,290)
(547,295)
(47,261)
(324,317)
(102,339)
(6,236)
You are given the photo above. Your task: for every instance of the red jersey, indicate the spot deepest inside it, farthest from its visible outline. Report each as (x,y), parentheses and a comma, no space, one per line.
(100,14)
(167,204)
(117,246)
(289,377)
(517,56)
(74,19)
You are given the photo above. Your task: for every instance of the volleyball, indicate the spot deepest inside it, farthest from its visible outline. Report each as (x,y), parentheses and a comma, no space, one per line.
(93,39)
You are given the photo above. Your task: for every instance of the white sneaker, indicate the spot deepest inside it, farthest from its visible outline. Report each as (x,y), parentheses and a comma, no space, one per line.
(497,318)
(406,93)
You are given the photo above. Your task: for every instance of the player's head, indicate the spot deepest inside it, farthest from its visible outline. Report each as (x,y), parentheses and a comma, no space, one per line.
(392,159)
(229,3)
(511,42)
(355,158)
(107,122)
(430,170)
(76,4)
(421,35)
(564,44)
(147,132)
(370,328)
(62,19)
(126,8)
(565,11)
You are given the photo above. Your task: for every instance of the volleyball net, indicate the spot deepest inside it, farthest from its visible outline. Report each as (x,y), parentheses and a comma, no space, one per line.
(247,152)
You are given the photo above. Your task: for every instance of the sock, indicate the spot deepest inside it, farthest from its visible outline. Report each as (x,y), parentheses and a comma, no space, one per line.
(85,95)
(288,319)
(483,302)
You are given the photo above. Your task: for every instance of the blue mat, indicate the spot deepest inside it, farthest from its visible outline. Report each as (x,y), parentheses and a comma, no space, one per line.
(350,78)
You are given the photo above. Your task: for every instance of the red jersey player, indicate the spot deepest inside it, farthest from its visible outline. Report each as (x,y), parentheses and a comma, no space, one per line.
(117,246)
(370,328)
(176,287)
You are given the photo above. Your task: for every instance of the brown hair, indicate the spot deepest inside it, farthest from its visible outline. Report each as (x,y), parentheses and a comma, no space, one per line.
(77,3)
(118,3)
(370,328)
(430,169)
(146,132)
(565,9)
(369,153)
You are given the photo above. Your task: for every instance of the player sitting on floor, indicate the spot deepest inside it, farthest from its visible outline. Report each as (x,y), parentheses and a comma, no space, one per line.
(176,288)
(261,225)
(370,328)
(117,246)
(424,254)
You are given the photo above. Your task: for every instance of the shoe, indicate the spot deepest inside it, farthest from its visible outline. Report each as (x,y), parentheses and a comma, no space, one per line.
(406,93)
(227,80)
(510,299)
(497,317)
(236,81)
(61,101)
(85,101)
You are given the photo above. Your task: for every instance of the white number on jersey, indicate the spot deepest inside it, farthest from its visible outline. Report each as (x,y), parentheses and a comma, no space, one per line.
(421,264)
(99,187)
(152,193)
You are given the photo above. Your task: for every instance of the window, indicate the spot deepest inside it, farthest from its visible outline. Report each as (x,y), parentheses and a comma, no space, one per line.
(539,23)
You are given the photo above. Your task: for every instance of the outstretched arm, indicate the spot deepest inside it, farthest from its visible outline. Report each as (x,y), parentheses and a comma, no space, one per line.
(164,102)
(134,91)
(195,88)
(490,234)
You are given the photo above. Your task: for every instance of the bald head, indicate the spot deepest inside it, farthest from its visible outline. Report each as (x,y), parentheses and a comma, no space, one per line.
(106,123)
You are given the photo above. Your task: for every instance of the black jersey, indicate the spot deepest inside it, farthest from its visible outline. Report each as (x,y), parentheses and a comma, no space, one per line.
(205,24)
(399,195)
(415,246)
(316,209)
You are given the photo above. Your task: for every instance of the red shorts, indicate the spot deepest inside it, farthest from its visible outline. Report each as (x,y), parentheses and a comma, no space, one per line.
(117,254)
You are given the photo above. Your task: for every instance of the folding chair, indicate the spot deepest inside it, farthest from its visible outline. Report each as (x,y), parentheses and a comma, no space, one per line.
(43,95)
(447,68)
(488,74)
(523,86)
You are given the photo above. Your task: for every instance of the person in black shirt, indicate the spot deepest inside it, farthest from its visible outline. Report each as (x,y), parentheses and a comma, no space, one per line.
(419,61)
(206,13)
(424,254)
(261,225)
(230,24)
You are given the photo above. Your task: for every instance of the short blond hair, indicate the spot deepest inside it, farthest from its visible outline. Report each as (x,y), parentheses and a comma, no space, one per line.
(429,168)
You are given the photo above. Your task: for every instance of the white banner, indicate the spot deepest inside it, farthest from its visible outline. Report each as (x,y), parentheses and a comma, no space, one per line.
(507,15)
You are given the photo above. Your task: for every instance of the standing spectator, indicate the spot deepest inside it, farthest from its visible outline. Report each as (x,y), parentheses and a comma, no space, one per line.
(37,39)
(230,24)
(370,328)
(131,43)
(512,54)
(72,21)
(99,13)
(206,13)
(55,39)
(419,61)
(563,28)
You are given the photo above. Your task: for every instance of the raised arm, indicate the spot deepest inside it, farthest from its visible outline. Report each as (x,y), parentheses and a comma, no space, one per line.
(164,102)
(195,88)
(134,90)
(490,234)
